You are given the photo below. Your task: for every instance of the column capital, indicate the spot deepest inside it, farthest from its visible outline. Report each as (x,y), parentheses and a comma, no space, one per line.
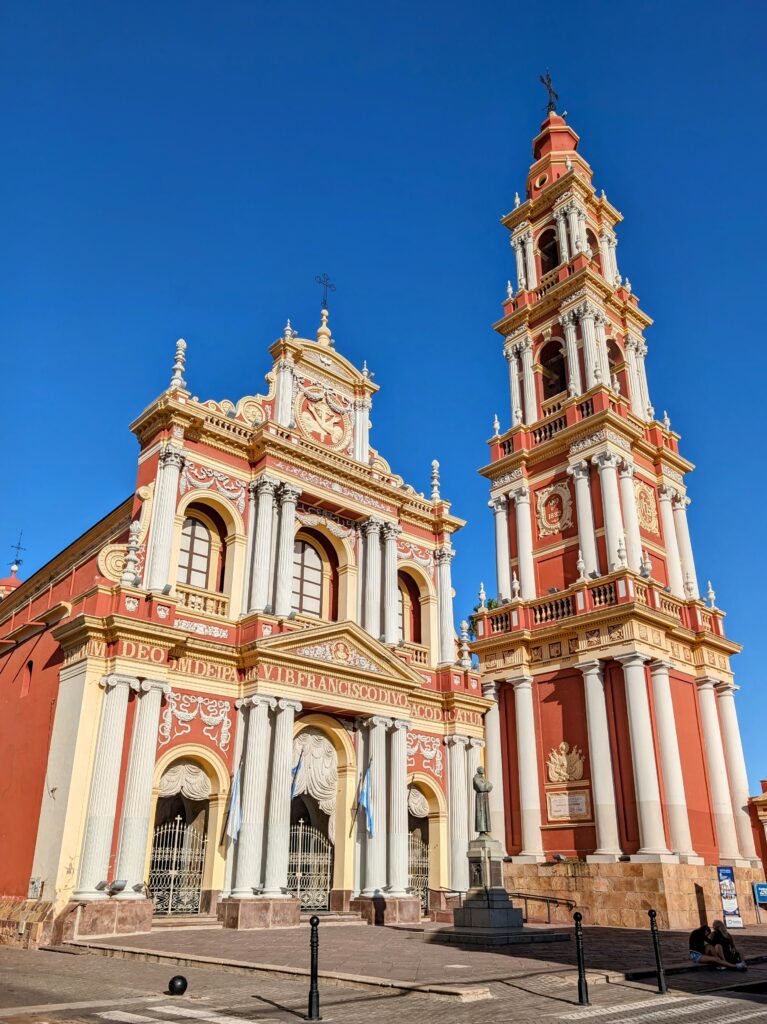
(586,310)
(170,455)
(681,501)
(153,684)
(289,705)
(391,531)
(289,494)
(579,470)
(567,319)
(594,665)
(605,460)
(491,689)
(521,682)
(377,720)
(634,658)
(456,741)
(521,495)
(257,700)
(511,353)
(726,688)
(475,742)
(497,503)
(116,679)
(666,493)
(442,555)
(707,683)
(526,345)
(401,723)
(658,665)
(372,525)
(264,485)
(625,469)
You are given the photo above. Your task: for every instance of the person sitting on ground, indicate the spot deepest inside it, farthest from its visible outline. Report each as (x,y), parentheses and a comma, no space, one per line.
(725,946)
(702,950)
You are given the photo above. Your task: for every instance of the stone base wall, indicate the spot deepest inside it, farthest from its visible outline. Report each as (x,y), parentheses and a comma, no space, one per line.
(86,920)
(619,895)
(259,913)
(382,910)
(26,923)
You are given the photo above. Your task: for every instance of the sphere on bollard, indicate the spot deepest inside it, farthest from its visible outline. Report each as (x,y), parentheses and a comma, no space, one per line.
(177,985)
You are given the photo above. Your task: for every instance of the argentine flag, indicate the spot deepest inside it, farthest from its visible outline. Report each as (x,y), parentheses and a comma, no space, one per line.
(294,772)
(366,802)
(235,811)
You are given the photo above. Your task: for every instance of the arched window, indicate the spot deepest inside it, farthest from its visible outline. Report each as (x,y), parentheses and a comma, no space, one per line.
(307,579)
(194,554)
(549,250)
(552,363)
(400,614)
(409,608)
(593,244)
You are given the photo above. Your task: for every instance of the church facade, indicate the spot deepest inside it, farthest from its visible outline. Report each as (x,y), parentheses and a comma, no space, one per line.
(242,691)
(618,735)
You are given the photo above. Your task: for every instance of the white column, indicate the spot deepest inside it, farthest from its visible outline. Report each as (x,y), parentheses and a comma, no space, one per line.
(651,832)
(362,430)
(630,517)
(601,764)
(641,352)
(283,601)
(721,799)
(521,496)
(690,577)
(582,230)
(283,406)
(527,755)
(571,347)
(586,312)
(255,771)
(105,779)
(512,357)
(390,534)
(473,761)
(398,830)
(600,322)
(457,812)
(137,802)
(157,573)
(248,574)
(528,380)
(532,276)
(375,852)
(494,762)
(278,827)
(736,769)
(614,259)
(229,845)
(499,505)
(575,229)
(372,531)
(671,762)
(443,558)
(673,561)
(584,511)
(607,463)
(265,489)
(604,249)
(516,245)
(638,405)
(564,252)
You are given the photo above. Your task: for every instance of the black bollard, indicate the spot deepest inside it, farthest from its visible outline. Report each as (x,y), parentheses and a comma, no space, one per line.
(583,988)
(314,991)
(662,986)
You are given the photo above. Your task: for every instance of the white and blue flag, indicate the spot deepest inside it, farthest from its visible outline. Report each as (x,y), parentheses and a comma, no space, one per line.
(234,819)
(366,802)
(294,772)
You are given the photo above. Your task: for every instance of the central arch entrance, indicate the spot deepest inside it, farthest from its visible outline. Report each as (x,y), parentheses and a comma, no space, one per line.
(418,846)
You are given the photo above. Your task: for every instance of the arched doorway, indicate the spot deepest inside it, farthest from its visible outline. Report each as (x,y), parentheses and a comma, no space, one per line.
(418,846)
(179,841)
(312,819)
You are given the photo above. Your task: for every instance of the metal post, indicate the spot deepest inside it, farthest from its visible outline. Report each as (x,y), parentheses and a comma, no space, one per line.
(583,988)
(662,986)
(314,992)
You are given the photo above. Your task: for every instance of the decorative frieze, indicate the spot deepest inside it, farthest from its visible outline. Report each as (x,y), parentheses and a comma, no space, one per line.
(204,478)
(333,485)
(201,628)
(430,750)
(181,709)
(336,525)
(600,435)
(338,652)
(406,549)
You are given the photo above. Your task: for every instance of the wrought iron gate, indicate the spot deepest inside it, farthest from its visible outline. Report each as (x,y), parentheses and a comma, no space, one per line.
(310,866)
(418,869)
(178,862)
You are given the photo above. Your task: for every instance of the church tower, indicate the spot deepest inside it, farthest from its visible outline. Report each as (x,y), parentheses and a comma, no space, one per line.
(614,729)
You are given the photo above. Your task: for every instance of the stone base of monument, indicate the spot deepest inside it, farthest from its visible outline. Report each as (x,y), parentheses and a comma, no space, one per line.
(487,917)
(383,909)
(259,912)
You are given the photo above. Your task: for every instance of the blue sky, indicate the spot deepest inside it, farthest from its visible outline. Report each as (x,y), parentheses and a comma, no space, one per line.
(186,169)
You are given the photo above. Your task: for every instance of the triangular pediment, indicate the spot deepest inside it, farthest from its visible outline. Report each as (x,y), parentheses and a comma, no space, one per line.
(346,647)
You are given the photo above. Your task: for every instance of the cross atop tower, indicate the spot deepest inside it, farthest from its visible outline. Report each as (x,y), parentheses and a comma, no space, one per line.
(327,285)
(17,548)
(545,80)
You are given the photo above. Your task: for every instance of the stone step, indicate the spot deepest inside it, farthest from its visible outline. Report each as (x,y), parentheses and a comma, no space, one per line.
(331,917)
(185,921)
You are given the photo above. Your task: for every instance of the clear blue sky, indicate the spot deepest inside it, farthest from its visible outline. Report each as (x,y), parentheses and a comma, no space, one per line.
(186,169)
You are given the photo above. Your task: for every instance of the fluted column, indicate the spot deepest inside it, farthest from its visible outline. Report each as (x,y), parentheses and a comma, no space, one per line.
(372,530)
(512,357)
(255,771)
(585,313)
(574,382)
(457,812)
(390,533)
(638,404)
(105,779)
(157,574)
(736,769)
(519,255)
(671,762)
(564,251)
(230,847)
(265,488)
(443,558)
(499,505)
(630,517)
(521,496)
(137,802)
(673,561)
(601,763)
(607,463)
(398,830)
(651,832)
(283,406)
(494,762)
(247,576)
(473,761)
(527,757)
(604,249)
(584,511)
(531,273)
(278,827)
(575,229)
(641,353)
(375,852)
(283,601)
(600,322)
(721,799)
(679,504)
(362,430)
(582,230)
(528,380)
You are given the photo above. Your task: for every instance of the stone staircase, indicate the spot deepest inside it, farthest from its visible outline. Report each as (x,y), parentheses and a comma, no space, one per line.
(185,921)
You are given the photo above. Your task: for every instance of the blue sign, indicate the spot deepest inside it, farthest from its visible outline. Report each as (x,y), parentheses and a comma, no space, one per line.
(760,892)
(730,908)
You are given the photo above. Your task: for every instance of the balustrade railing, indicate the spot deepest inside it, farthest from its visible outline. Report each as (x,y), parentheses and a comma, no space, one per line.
(603,594)
(419,655)
(552,610)
(205,602)
(548,429)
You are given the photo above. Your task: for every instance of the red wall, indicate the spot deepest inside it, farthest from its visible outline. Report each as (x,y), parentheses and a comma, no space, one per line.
(620,744)
(694,773)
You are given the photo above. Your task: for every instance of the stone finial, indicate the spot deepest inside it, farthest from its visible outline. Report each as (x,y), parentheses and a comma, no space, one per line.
(517,200)
(645,566)
(689,586)
(603,194)
(580,565)
(618,281)
(568,164)
(666,420)
(496,426)
(289,333)
(711,595)
(130,567)
(177,380)
(650,412)
(434,480)
(616,384)
(622,559)
(598,373)
(509,290)
(323,331)
(465,659)
(572,391)
(483,595)
(515,587)
(627,285)
(522,282)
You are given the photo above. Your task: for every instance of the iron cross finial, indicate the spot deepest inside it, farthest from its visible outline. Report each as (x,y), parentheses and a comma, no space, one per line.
(547,84)
(17,547)
(327,285)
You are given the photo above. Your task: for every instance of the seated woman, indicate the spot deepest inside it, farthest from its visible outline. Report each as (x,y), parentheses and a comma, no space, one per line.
(724,944)
(704,951)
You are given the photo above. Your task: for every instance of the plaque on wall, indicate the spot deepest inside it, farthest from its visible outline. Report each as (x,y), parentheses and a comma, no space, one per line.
(574,805)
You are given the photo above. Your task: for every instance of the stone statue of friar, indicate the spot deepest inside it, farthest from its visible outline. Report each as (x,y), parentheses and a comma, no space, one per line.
(482,787)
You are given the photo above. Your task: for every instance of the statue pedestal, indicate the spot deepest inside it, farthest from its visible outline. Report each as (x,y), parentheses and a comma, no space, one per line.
(487,917)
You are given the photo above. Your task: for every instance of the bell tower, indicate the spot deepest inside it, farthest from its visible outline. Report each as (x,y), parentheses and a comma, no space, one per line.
(614,728)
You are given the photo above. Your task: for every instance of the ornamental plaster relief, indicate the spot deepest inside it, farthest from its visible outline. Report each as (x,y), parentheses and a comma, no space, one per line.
(425,752)
(408,550)
(181,710)
(333,485)
(565,764)
(647,510)
(201,628)
(111,558)
(316,771)
(338,652)
(337,525)
(600,435)
(204,478)
(554,509)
